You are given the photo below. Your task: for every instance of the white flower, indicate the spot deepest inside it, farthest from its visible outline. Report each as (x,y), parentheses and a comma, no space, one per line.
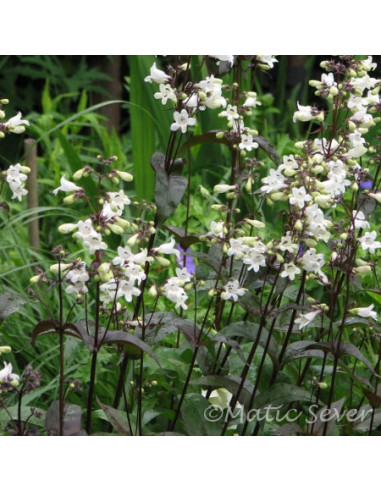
(175,293)
(289,165)
(312,261)
(168,249)
(254,259)
(183,275)
(134,272)
(274,182)
(85,229)
(225,58)
(365,312)
(359,220)
(18,190)
(16,124)
(251,100)
(94,242)
(78,274)
(232,290)
(217,228)
(141,257)
(118,200)
(247,143)
(368,242)
(182,121)
(123,288)
(362,83)
(290,270)
(14,175)
(268,60)
(230,113)
(166,92)
(212,89)
(286,244)
(6,375)
(304,113)
(66,186)
(78,288)
(156,75)
(107,213)
(305,319)
(237,248)
(328,80)
(300,197)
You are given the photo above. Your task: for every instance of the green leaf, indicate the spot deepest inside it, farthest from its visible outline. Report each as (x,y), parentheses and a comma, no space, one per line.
(10,303)
(281,394)
(142,126)
(115,418)
(194,411)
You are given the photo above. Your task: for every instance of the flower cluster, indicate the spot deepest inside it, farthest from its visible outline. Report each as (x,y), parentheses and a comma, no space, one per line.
(16,174)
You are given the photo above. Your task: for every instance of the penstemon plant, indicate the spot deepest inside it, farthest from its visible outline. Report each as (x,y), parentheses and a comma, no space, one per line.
(263,323)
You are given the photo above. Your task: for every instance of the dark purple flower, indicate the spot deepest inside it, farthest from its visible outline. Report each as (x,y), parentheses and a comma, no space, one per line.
(189,261)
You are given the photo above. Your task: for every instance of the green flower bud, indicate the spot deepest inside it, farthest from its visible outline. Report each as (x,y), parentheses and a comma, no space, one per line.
(163,261)
(125,176)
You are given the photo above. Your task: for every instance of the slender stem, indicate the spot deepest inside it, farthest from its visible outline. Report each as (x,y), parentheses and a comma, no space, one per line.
(62,354)
(93,361)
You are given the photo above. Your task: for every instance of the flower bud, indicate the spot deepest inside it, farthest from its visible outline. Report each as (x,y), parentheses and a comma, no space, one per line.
(163,261)
(4,101)
(35,279)
(204,192)
(220,135)
(362,270)
(376,196)
(5,349)
(115,228)
(122,222)
(57,267)
(153,291)
(133,240)
(105,272)
(79,174)
(311,243)
(67,228)
(70,199)
(256,223)
(223,188)
(279,196)
(125,176)
(298,226)
(322,385)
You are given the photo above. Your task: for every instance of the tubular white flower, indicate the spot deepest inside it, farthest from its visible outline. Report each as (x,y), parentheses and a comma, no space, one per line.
(168,249)
(365,312)
(66,186)
(16,124)
(305,319)
(368,241)
(182,121)
(6,375)
(156,75)
(232,290)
